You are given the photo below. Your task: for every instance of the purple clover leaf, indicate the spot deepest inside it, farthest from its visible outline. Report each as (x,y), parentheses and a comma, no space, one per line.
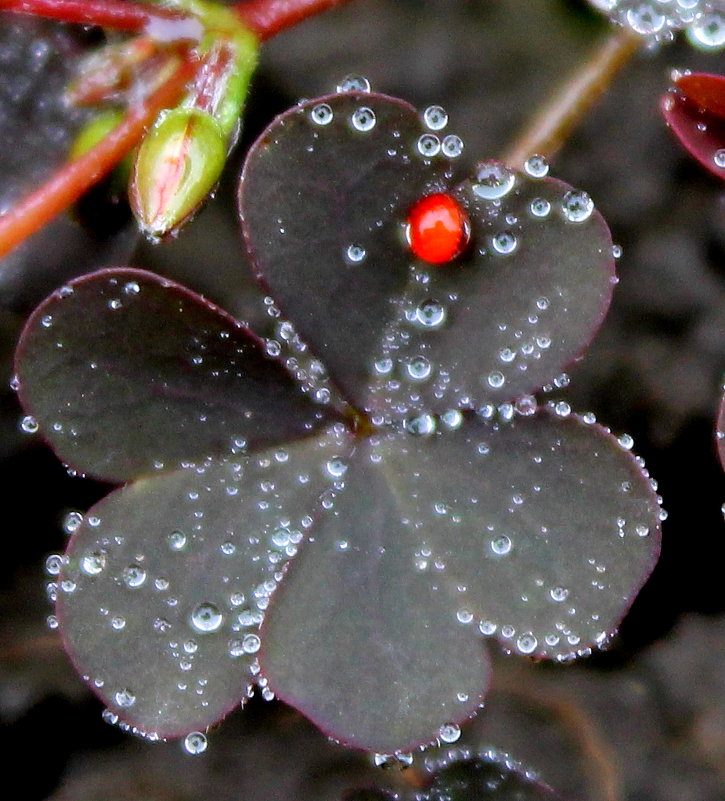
(412,523)
(695,111)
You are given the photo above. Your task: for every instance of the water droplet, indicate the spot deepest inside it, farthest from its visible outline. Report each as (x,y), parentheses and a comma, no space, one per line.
(29,424)
(46,320)
(54,564)
(526,643)
(452,146)
(449,733)
(422,425)
(719,157)
(251,643)
(355,254)
(496,379)
(363,119)
(493,180)
(487,627)
(501,545)
(435,118)
(558,594)
(396,761)
(708,33)
(577,206)
(353,83)
(118,623)
(504,243)
(418,368)
(93,563)
(134,576)
(51,622)
(383,366)
(336,468)
(195,743)
(72,522)
(428,145)
(321,114)
(206,617)
(176,540)
(464,616)
(125,698)
(452,419)
(430,313)
(645,20)
(641,531)
(540,207)
(536,166)
(626,442)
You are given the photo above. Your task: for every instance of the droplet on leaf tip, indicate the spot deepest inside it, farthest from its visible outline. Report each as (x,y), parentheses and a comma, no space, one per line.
(353,83)
(536,166)
(195,743)
(493,180)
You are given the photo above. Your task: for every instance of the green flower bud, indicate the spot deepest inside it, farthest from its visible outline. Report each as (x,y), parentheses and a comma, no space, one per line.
(177,165)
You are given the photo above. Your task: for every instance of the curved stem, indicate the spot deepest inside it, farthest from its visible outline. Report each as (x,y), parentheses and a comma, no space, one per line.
(76,177)
(268,17)
(116,14)
(550,128)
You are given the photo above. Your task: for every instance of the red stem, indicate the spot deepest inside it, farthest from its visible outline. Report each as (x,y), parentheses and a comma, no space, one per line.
(117,14)
(264,17)
(268,17)
(76,177)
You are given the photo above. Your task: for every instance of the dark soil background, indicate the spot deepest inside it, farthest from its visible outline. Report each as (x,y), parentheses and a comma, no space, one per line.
(644,720)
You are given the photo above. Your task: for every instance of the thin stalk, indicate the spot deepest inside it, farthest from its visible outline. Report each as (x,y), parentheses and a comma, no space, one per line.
(79,175)
(549,129)
(266,18)
(120,15)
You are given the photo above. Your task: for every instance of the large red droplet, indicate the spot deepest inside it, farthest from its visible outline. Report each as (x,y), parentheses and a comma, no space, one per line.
(438,228)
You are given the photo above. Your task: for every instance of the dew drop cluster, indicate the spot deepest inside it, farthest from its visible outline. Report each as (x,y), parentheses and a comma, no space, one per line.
(659,20)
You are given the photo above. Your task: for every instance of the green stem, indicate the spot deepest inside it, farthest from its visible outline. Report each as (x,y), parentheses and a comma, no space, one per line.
(76,177)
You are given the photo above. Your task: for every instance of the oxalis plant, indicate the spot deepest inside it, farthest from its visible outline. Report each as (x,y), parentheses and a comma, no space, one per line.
(695,110)
(340,515)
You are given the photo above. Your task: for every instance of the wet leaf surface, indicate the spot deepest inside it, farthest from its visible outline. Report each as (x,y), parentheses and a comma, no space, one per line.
(480,778)
(705,90)
(126,372)
(166,582)
(362,642)
(511,312)
(539,531)
(325,206)
(700,130)
(548,525)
